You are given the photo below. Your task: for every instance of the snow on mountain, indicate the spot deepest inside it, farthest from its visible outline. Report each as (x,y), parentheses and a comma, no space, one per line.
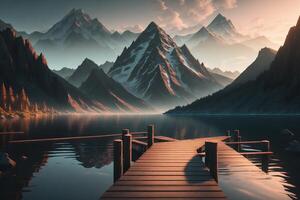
(225,29)
(157,70)
(76,21)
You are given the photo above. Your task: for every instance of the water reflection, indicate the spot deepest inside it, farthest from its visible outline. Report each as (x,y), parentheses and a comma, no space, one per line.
(83,170)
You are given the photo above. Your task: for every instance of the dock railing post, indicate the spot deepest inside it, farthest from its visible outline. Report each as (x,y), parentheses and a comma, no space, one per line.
(124,132)
(237,138)
(127,151)
(265,147)
(150,139)
(228,133)
(118,159)
(211,158)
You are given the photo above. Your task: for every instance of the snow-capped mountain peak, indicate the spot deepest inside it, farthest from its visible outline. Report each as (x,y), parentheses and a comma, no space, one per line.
(76,21)
(157,70)
(224,28)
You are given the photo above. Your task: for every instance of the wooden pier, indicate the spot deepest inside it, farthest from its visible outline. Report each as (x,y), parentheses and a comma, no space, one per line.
(176,169)
(168,170)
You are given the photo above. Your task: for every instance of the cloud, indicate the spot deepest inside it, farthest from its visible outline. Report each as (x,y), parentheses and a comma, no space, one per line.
(181,14)
(136,28)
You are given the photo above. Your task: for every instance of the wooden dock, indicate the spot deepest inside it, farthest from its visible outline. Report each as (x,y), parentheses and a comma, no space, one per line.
(168,170)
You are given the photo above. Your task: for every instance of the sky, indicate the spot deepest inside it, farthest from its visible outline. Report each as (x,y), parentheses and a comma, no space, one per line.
(271,18)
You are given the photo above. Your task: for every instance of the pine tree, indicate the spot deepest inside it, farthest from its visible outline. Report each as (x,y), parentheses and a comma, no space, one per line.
(11,98)
(3,97)
(22,101)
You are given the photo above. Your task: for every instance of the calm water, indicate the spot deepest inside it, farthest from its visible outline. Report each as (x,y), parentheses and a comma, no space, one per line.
(83,170)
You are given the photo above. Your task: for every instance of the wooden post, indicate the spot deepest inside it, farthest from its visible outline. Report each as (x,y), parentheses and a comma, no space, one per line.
(230,137)
(207,151)
(124,132)
(118,159)
(237,138)
(150,135)
(211,158)
(127,151)
(239,146)
(265,147)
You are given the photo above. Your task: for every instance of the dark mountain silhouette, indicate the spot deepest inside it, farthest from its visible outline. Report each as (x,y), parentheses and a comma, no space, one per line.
(274,91)
(156,69)
(111,94)
(82,72)
(64,72)
(262,63)
(21,68)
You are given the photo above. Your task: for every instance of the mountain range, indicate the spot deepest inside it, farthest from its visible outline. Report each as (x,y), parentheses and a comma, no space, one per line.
(98,86)
(21,68)
(77,36)
(220,44)
(230,74)
(155,69)
(274,90)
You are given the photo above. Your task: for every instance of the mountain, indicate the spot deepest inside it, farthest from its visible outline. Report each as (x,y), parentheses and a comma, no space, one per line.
(229,74)
(259,42)
(21,68)
(4,25)
(64,72)
(106,66)
(111,94)
(203,35)
(225,29)
(274,91)
(77,36)
(262,63)
(220,44)
(155,69)
(222,80)
(82,72)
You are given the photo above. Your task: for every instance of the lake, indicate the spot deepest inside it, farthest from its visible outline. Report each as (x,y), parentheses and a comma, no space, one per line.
(83,169)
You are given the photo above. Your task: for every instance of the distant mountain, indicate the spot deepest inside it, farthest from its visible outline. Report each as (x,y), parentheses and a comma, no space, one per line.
(259,42)
(274,91)
(156,69)
(221,79)
(229,74)
(225,29)
(262,63)
(77,36)
(82,72)
(21,68)
(106,66)
(64,72)
(202,36)
(111,94)
(220,44)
